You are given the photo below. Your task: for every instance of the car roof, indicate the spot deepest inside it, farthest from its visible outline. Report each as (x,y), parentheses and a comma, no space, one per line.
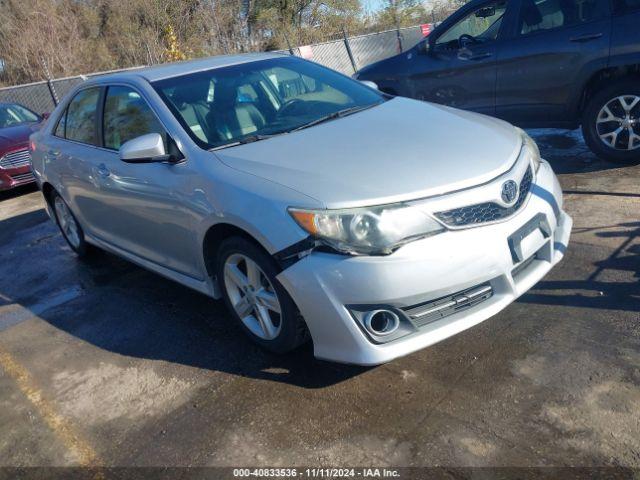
(168,70)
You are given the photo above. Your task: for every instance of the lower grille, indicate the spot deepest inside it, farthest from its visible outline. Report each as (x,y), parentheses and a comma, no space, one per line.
(425,313)
(17,159)
(23,177)
(486,212)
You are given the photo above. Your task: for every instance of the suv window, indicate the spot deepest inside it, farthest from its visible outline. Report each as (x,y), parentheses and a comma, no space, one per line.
(126,116)
(483,24)
(626,6)
(81,117)
(538,15)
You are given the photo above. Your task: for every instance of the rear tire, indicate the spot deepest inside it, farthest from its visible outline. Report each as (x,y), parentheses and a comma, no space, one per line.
(69,226)
(611,122)
(263,308)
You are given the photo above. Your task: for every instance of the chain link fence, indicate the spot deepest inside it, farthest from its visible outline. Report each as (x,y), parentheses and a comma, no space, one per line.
(347,55)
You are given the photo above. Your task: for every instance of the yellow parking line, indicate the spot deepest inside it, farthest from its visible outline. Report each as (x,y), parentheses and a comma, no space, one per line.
(85,454)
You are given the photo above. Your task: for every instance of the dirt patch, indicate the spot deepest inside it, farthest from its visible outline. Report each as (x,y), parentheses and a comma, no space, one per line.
(107,392)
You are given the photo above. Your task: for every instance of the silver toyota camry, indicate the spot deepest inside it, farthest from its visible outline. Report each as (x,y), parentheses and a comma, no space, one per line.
(317,207)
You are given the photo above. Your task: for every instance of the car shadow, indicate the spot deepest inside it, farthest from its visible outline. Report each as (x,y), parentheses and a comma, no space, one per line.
(18,191)
(592,292)
(124,309)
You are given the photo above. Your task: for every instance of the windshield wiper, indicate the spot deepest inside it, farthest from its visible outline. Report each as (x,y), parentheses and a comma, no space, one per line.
(332,116)
(245,140)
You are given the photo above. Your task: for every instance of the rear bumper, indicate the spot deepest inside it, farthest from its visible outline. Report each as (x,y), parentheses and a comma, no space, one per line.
(323,284)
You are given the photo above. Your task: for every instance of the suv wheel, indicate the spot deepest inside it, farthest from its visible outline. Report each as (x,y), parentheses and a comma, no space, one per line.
(69,226)
(611,122)
(265,311)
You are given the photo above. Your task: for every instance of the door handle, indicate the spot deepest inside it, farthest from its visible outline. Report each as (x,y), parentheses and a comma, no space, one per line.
(585,38)
(53,154)
(103,171)
(472,57)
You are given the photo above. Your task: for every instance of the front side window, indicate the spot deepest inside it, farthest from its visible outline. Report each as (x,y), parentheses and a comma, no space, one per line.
(12,114)
(537,15)
(223,106)
(81,117)
(482,25)
(126,116)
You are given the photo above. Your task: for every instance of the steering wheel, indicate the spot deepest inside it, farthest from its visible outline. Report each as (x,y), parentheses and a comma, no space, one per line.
(289,104)
(466,38)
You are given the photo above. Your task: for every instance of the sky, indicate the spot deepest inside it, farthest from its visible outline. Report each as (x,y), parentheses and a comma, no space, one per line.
(373,5)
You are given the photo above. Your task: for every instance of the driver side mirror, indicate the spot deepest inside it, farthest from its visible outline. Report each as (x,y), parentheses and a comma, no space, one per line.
(147,148)
(370,84)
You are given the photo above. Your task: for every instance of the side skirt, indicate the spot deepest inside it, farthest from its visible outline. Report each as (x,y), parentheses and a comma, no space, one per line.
(204,287)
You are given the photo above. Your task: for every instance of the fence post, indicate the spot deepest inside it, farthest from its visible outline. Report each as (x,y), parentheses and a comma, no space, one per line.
(286,38)
(399,37)
(52,90)
(349,52)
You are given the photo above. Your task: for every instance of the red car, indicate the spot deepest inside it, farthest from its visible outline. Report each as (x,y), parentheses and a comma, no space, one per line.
(16,124)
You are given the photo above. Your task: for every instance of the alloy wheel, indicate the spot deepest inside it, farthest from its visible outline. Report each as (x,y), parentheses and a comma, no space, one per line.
(618,123)
(252,296)
(67,222)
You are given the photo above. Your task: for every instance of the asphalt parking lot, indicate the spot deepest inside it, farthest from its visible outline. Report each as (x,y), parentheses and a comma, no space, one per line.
(104,363)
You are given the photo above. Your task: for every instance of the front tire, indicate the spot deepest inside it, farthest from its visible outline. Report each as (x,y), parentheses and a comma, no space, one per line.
(611,122)
(265,311)
(69,226)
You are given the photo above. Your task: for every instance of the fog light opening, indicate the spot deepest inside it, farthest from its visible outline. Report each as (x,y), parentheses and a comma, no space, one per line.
(381,322)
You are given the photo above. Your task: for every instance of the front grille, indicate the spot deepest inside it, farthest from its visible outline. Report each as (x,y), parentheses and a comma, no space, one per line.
(23,178)
(17,159)
(486,212)
(425,313)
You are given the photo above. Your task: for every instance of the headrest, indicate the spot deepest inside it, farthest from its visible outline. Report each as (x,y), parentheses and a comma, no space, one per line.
(530,13)
(191,92)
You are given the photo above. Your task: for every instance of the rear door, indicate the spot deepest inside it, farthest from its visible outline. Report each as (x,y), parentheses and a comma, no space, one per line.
(460,68)
(72,153)
(554,48)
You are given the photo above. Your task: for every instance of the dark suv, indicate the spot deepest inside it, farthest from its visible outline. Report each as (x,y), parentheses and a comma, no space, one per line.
(535,63)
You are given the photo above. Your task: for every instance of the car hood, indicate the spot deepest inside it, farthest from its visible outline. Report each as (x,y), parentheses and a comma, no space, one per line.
(400,150)
(16,136)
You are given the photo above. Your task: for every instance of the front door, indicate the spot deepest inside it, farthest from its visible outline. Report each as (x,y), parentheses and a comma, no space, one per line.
(460,68)
(145,214)
(554,45)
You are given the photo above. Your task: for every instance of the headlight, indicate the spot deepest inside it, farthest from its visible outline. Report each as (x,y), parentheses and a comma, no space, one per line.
(372,230)
(530,148)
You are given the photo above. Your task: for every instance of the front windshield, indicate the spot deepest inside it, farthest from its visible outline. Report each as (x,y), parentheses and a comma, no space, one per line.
(227,105)
(12,114)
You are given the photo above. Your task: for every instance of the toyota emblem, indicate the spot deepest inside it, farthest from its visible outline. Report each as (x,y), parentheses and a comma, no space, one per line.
(509,192)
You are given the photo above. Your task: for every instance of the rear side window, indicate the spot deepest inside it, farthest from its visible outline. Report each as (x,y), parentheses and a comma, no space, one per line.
(62,125)
(126,116)
(537,15)
(81,117)
(626,6)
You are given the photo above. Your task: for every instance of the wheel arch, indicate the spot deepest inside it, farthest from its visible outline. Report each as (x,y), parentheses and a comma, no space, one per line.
(47,192)
(215,235)
(604,76)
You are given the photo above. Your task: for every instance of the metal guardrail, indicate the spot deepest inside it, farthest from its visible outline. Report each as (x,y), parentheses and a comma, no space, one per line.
(347,55)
